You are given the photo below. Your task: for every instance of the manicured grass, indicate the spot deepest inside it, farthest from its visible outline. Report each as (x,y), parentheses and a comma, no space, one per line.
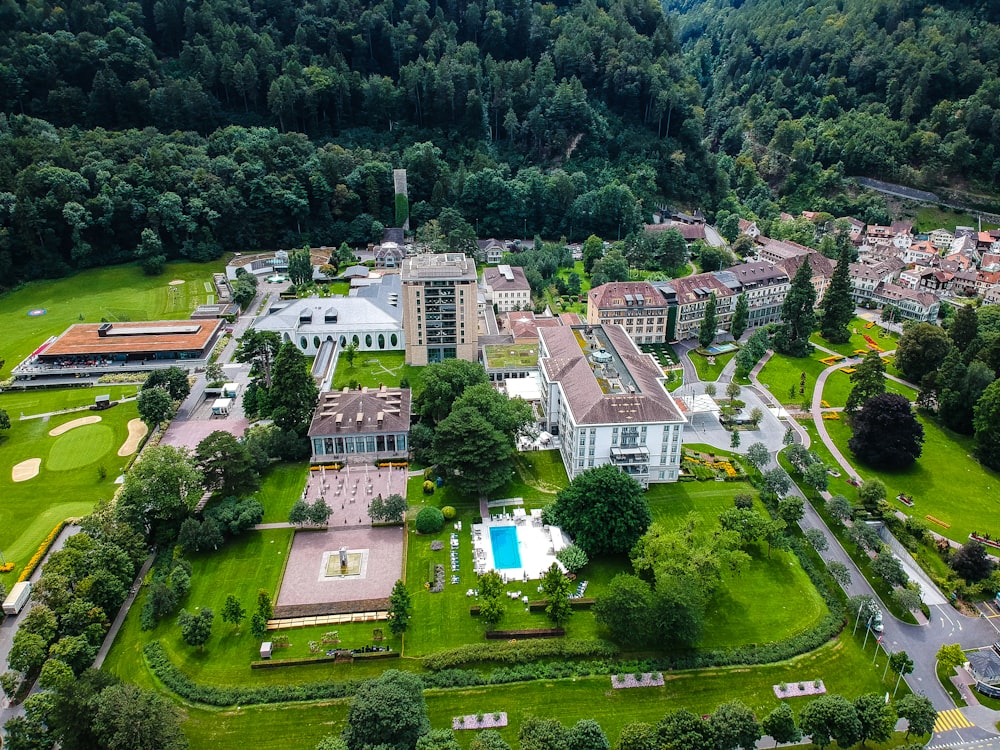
(945,481)
(241,567)
(929,218)
(710,372)
(281,487)
(857,341)
(781,373)
(115,293)
(373,369)
(69,482)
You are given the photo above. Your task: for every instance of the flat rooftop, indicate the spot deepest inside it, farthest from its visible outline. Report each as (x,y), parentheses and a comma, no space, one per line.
(124,338)
(508,356)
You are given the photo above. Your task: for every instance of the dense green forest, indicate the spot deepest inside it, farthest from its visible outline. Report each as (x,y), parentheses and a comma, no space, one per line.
(185,128)
(904,90)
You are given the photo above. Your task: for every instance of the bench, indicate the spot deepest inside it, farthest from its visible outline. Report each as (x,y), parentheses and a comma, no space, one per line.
(938,521)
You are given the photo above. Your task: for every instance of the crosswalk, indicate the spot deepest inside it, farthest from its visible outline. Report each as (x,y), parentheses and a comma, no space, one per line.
(951,719)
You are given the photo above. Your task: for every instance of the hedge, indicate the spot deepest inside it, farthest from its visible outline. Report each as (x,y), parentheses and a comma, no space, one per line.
(519,652)
(43,548)
(274,663)
(499,635)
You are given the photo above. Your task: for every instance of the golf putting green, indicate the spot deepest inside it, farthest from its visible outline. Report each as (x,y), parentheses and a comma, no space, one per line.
(80,447)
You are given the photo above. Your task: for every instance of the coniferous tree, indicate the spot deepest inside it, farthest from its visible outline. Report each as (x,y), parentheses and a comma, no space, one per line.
(741,316)
(293,393)
(797,315)
(706,334)
(837,305)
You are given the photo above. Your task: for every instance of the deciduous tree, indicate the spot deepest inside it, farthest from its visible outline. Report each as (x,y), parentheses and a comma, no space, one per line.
(780,725)
(388,711)
(233,611)
(921,349)
(196,628)
(886,433)
(734,726)
(972,562)
(869,381)
(919,713)
(155,406)
(399,609)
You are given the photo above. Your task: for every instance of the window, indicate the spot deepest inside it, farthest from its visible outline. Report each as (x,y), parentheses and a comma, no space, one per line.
(368,341)
(316,342)
(381,341)
(303,343)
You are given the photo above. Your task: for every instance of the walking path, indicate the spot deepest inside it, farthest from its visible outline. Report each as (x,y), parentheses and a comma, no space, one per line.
(109,639)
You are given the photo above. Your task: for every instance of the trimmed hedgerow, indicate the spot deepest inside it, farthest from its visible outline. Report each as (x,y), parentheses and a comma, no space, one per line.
(518,653)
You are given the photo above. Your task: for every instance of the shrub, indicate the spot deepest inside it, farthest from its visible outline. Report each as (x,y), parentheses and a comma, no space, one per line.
(449,512)
(429,520)
(428,487)
(572,557)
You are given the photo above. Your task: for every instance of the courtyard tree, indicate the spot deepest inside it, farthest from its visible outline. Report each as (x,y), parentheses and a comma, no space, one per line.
(556,590)
(196,628)
(876,718)
(886,433)
(293,393)
(300,269)
(390,509)
(951,656)
(388,711)
(775,482)
(901,664)
(537,733)
(244,288)
(603,510)
(4,420)
(586,734)
(869,381)
(298,514)
(155,406)
(741,314)
(227,465)
(429,520)
(889,569)
(840,508)
(919,713)
(921,350)
(159,491)
(828,718)
(734,439)
(972,562)
(907,598)
(443,383)
(475,444)
(780,725)
(637,735)
(797,314)
(174,379)
(709,323)
(319,512)
(817,538)
(758,454)
(399,608)
(625,608)
(734,726)
(837,305)
(233,612)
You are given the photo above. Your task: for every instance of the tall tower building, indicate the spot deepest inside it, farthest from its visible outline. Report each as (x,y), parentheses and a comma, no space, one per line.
(440,308)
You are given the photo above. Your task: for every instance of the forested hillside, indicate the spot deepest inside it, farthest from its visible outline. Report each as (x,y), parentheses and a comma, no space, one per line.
(178,117)
(905,90)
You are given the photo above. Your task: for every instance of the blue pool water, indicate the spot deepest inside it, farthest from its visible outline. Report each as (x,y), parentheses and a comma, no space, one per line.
(504,541)
(721,348)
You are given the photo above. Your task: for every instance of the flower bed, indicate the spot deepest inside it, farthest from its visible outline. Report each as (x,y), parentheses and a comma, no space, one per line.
(480,721)
(40,552)
(646,679)
(905,500)
(799,689)
(985,539)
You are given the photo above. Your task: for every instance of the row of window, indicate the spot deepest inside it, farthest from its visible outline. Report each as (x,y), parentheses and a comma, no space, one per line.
(335,446)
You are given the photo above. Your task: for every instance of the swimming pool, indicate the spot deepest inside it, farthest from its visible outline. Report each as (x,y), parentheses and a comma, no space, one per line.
(721,348)
(504,542)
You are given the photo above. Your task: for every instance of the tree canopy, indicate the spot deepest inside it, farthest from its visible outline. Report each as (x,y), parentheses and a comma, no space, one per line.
(797,314)
(388,711)
(603,510)
(887,435)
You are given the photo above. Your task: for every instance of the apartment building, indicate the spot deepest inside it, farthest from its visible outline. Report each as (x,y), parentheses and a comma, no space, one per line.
(635,306)
(440,297)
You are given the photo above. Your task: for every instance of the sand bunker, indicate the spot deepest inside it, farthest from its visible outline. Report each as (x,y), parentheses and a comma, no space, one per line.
(26,470)
(136,431)
(177,282)
(64,428)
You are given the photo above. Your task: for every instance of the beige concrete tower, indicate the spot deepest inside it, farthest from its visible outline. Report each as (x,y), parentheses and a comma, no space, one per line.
(440,318)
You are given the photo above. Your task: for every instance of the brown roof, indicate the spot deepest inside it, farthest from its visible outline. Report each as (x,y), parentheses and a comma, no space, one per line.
(127,338)
(615,294)
(819,263)
(525,324)
(691,289)
(506,278)
(372,410)
(567,364)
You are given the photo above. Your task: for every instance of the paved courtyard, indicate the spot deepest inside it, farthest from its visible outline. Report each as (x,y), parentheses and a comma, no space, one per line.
(349,492)
(305,585)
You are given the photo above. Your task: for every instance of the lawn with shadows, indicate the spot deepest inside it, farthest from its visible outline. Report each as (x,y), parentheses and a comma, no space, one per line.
(946,482)
(781,374)
(709,371)
(859,329)
(77,468)
(281,486)
(117,293)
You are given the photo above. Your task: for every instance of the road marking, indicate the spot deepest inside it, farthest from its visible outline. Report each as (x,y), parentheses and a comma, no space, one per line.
(951,719)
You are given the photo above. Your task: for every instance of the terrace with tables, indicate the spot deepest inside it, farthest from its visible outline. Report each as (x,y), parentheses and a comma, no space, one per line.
(518,545)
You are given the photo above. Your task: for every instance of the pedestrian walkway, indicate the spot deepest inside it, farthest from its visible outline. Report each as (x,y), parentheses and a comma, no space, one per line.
(951,719)
(109,639)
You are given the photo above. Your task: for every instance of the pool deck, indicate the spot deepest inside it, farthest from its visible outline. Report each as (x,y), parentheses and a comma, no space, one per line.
(537,544)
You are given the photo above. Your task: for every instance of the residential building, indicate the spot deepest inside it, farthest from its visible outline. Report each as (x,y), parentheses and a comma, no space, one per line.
(389,255)
(361,426)
(490,251)
(507,288)
(524,324)
(941,238)
(440,308)
(911,304)
(371,319)
(637,306)
(922,252)
(775,251)
(749,228)
(765,286)
(686,299)
(821,267)
(606,401)
(864,279)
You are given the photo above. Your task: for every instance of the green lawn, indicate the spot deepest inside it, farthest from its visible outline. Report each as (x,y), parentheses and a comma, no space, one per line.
(710,372)
(373,369)
(928,218)
(69,482)
(781,373)
(281,487)
(857,342)
(115,293)
(946,482)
